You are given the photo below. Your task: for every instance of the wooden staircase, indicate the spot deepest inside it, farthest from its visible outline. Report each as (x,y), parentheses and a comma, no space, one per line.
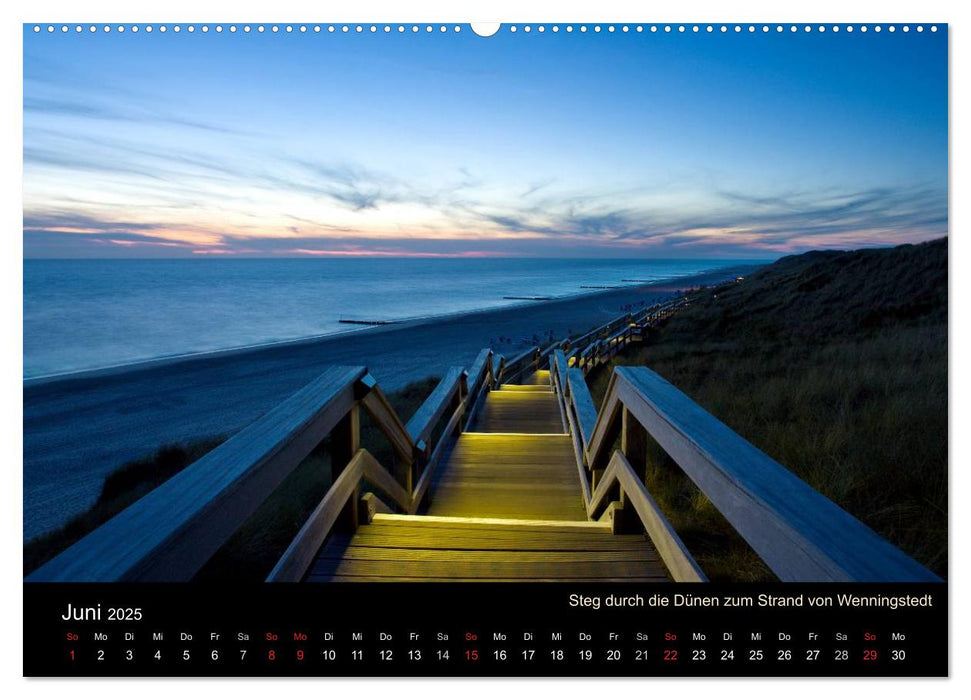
(506,505)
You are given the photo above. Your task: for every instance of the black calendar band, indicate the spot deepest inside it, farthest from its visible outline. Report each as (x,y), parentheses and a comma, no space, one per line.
(551,629)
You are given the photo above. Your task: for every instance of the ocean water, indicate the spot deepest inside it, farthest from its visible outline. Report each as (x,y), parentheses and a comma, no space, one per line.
(86,314)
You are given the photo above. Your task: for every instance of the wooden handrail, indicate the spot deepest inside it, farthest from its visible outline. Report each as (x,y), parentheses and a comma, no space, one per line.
(514,368)
(586,411)
(582,416)
(430,412)
(479,372)
(799,533)
(597,332)
(171,532)
(421,488)
(482,379)
(561,387)
(558,369)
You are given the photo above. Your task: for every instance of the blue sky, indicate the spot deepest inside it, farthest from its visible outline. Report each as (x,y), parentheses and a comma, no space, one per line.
(574,144)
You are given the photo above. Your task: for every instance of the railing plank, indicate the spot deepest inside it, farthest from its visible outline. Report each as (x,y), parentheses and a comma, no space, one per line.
(430,412)
(447,438)
(597,332)
(799,533)
(383,480)
(603,432)
(172,531)
(549,350)
(589,351)
(586,411)
(499,371)
(600,494)
(559,375)
(561,365)
(517,365)
(479,371)
(300,554)
(679,562)
(386,419)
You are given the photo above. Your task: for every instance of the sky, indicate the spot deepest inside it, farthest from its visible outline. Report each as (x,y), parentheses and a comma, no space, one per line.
(581,144)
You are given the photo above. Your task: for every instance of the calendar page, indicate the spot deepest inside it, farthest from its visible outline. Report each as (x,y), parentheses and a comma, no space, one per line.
(544,349)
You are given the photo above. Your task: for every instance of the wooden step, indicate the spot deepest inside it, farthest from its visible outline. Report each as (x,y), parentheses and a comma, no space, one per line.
(508,476)
(422,548)
(529,388)
(540,377)
(519,412)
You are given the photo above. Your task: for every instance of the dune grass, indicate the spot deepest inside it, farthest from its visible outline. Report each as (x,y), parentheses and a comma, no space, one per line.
(254,549)
(833,364)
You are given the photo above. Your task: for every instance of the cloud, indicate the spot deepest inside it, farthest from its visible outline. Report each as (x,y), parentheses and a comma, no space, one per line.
(76,222)
(89,110)
(880,215)
(57,244)
(537,186)
(731,224)
(541,217)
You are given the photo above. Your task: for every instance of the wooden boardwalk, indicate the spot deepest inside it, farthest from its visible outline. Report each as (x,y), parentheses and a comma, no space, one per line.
(506,505)
(506,472)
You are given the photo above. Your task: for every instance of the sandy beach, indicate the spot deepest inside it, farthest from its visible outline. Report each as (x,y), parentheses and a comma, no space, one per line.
(78,428)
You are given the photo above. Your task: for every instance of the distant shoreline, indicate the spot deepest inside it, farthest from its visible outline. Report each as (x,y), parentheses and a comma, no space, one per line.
(392,324)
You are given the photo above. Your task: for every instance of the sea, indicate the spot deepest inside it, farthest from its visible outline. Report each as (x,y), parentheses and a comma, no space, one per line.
(93,314)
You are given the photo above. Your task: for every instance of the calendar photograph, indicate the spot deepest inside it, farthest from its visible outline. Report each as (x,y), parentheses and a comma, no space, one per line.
(612,319)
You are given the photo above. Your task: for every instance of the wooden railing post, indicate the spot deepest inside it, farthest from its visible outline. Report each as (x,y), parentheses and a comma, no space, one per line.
(404,474)
(633,443)
(408,474)
(345,440)
(461,400)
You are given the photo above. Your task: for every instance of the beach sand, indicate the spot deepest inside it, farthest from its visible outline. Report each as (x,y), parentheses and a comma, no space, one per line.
(78,428)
